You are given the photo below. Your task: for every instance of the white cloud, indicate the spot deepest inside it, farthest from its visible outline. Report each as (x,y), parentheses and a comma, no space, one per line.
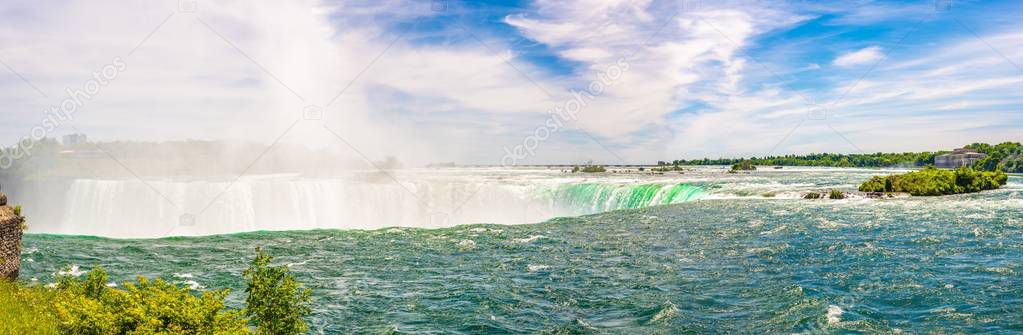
(868,55)
(694,54)
(459,100)
(927,102)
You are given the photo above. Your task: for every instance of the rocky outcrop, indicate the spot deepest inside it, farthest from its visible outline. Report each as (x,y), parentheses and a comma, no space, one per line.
(10,240)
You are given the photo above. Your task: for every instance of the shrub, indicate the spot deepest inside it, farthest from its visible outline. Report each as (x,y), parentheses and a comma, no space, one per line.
(24,225)
(591,169)
(276,303)
(836,194)
(812,195)
(877,184)
(149,307)
(744,166)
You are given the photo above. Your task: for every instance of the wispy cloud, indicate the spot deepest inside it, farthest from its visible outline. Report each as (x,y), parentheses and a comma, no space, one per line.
(720,79)
(868,55)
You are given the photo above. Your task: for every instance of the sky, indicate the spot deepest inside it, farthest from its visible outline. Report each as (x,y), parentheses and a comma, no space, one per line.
(519,82)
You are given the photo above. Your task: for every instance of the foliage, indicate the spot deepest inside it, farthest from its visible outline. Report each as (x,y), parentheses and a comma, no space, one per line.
(827,159)
(1007,157)
(276,303)
(836,195)
(812,195)
(931,181)
(26,310)
(149,307)
(667,168)
(17,212)
(745,165)
(589,169)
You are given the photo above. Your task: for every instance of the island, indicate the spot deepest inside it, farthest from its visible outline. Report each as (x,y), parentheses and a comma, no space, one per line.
(745,165)
(589,168)
(932,181)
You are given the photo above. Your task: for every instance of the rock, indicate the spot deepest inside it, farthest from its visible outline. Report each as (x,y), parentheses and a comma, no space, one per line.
(10,241)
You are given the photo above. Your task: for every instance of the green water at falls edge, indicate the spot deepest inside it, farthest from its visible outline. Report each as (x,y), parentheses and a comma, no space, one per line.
(607,197)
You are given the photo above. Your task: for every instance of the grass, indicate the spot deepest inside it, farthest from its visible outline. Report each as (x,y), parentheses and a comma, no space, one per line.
(26,310)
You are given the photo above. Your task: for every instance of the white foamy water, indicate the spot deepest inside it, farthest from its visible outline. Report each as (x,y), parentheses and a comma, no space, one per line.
(430,198)
(834,314)
(132,208)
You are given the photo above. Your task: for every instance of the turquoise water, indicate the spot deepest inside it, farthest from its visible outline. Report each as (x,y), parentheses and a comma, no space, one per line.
(751,265)
(592,197)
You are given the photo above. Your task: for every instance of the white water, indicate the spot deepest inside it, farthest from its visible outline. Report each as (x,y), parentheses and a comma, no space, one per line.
(421,198)
(119,208)
(407,198)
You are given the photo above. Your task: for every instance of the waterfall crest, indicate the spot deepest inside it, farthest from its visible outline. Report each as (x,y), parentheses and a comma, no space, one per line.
(157,208)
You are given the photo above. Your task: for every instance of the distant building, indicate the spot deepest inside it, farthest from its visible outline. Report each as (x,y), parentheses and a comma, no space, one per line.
(72,140)
(958,158)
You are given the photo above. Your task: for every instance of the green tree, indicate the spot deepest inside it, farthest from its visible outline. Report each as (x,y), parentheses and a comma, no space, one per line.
(277,304)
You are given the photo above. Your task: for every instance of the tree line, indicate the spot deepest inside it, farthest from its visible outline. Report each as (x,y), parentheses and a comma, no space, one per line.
(1006,157)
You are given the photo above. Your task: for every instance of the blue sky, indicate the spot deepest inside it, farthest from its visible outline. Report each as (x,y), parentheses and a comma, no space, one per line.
(471,81)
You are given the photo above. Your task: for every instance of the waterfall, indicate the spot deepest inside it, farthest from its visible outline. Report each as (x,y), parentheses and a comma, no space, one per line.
(595,198)
(154,208)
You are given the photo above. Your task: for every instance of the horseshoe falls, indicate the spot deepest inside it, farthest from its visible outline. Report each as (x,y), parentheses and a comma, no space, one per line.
(133,208)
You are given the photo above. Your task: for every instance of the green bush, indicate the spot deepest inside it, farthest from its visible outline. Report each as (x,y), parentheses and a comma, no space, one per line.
(589,169)
(276,303)
(17,212)
(812,195)
(149,307)
(931,182)
(744,166)
(836,194)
